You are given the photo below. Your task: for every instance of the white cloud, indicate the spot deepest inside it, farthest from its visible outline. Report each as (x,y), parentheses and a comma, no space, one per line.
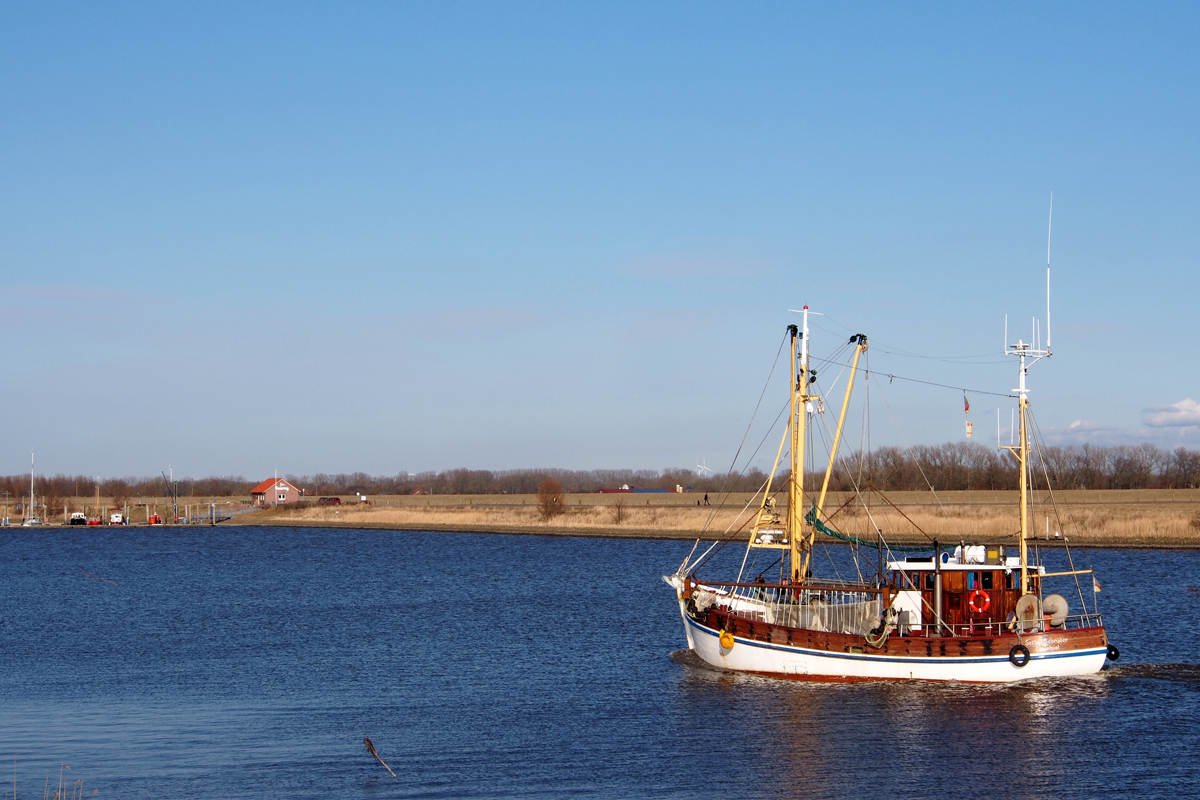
(1183,414)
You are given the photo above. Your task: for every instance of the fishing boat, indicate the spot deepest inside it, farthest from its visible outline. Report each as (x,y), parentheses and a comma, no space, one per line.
(973,612)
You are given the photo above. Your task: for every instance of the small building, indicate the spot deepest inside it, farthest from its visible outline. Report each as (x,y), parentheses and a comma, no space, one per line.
(274,492)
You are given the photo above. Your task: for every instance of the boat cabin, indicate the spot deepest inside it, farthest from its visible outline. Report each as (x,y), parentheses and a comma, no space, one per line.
(976,587)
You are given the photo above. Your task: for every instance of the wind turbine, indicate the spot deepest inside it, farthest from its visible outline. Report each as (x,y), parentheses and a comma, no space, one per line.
(701,469)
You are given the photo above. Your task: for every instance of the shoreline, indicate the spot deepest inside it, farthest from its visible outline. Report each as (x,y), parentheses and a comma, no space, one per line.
(1148,518)
(1114,543)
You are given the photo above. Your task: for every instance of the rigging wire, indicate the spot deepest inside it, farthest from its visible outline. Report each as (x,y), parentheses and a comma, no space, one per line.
(1037,440)
(711,552)
(899,351)
(858,494)
(727,536)
(834,459)
(908,449)
(832,358)
(749,425)
(836,357)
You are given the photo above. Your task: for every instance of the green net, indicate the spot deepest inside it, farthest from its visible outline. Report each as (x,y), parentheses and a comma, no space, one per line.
(811,518)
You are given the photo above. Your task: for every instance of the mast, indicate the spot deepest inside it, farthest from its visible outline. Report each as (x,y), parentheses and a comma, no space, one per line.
(799,431)
(1023,406)
(1024,351)
(1031,350)
(31,513)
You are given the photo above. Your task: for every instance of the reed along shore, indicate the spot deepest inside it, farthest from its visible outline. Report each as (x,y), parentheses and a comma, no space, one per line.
(1091,518)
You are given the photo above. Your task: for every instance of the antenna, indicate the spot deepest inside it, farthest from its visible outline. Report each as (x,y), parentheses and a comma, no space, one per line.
(1049,229)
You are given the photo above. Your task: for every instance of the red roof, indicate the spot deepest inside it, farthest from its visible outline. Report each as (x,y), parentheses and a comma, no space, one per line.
(267,485)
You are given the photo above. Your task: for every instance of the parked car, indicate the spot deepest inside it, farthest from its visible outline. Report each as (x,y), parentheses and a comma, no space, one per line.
(330,501)
(78,518)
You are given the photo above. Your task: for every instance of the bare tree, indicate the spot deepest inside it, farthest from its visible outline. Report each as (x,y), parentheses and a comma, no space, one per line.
(550,498)
(619,512)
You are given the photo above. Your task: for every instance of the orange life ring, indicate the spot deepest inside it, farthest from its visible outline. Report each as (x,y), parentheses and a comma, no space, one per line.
(981,607)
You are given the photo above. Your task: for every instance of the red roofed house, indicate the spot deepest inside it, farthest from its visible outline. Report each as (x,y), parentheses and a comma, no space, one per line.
(274,491)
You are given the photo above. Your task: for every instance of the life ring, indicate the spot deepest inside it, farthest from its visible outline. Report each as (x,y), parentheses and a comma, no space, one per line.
(1019,655)
(726,639)
(981,607)
(1113,652)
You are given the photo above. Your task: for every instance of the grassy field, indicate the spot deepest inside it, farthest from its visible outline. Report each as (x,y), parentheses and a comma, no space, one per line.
(1155,518)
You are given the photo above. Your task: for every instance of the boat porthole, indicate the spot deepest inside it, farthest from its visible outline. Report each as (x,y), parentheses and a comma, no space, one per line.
(1113,652)
(1019,655)
(726,640)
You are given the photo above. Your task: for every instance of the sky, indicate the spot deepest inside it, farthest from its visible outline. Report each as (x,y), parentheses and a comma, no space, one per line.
(238,238)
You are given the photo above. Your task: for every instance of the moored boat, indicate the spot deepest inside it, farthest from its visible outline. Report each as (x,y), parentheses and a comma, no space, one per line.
(976,612)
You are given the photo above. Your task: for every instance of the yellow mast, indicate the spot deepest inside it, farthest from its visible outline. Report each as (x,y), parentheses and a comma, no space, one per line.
(797,426)
(1023,351)
(1021,451)
(1024,458)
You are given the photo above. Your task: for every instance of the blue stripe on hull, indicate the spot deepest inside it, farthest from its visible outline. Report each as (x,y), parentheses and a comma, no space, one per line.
(896,659)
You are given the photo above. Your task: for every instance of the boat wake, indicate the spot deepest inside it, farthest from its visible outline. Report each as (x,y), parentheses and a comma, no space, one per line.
(1182,673)
(688,658)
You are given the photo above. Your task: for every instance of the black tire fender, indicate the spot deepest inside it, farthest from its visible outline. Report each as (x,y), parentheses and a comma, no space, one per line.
(1113,652)
(1019,655)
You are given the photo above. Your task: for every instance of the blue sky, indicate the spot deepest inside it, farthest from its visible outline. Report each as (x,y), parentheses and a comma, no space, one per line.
(237,238)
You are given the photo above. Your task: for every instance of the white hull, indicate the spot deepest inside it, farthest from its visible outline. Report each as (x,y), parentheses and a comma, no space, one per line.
(748,655)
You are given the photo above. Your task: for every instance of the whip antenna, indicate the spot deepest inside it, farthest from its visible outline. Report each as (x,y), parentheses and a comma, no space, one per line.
(1049,229)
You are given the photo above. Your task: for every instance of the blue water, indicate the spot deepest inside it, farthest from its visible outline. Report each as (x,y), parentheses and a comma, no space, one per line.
(251,662)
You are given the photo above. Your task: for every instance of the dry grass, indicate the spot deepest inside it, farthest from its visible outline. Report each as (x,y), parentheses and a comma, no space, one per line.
(1111,524)
(665,521)
(1129,518)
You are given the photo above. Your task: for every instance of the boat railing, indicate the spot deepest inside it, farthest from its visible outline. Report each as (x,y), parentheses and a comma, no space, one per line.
(997,628)
(857,612)
(825,609)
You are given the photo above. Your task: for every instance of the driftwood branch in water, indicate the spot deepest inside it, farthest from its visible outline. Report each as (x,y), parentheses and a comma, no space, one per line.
(370,748)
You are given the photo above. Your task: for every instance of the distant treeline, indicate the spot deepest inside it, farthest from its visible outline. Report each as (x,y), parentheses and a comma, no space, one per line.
(970,465)
(956,465)
(524,481)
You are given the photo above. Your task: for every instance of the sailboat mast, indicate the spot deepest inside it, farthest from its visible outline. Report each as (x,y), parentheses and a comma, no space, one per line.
(31,511)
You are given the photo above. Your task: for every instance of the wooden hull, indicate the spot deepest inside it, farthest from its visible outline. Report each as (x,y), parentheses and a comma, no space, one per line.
(775,650)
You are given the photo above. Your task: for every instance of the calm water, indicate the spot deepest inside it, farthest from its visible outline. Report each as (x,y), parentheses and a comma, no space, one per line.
(251,662)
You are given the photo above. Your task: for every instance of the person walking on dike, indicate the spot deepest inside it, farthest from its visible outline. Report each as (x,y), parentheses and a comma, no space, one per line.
(706,498)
